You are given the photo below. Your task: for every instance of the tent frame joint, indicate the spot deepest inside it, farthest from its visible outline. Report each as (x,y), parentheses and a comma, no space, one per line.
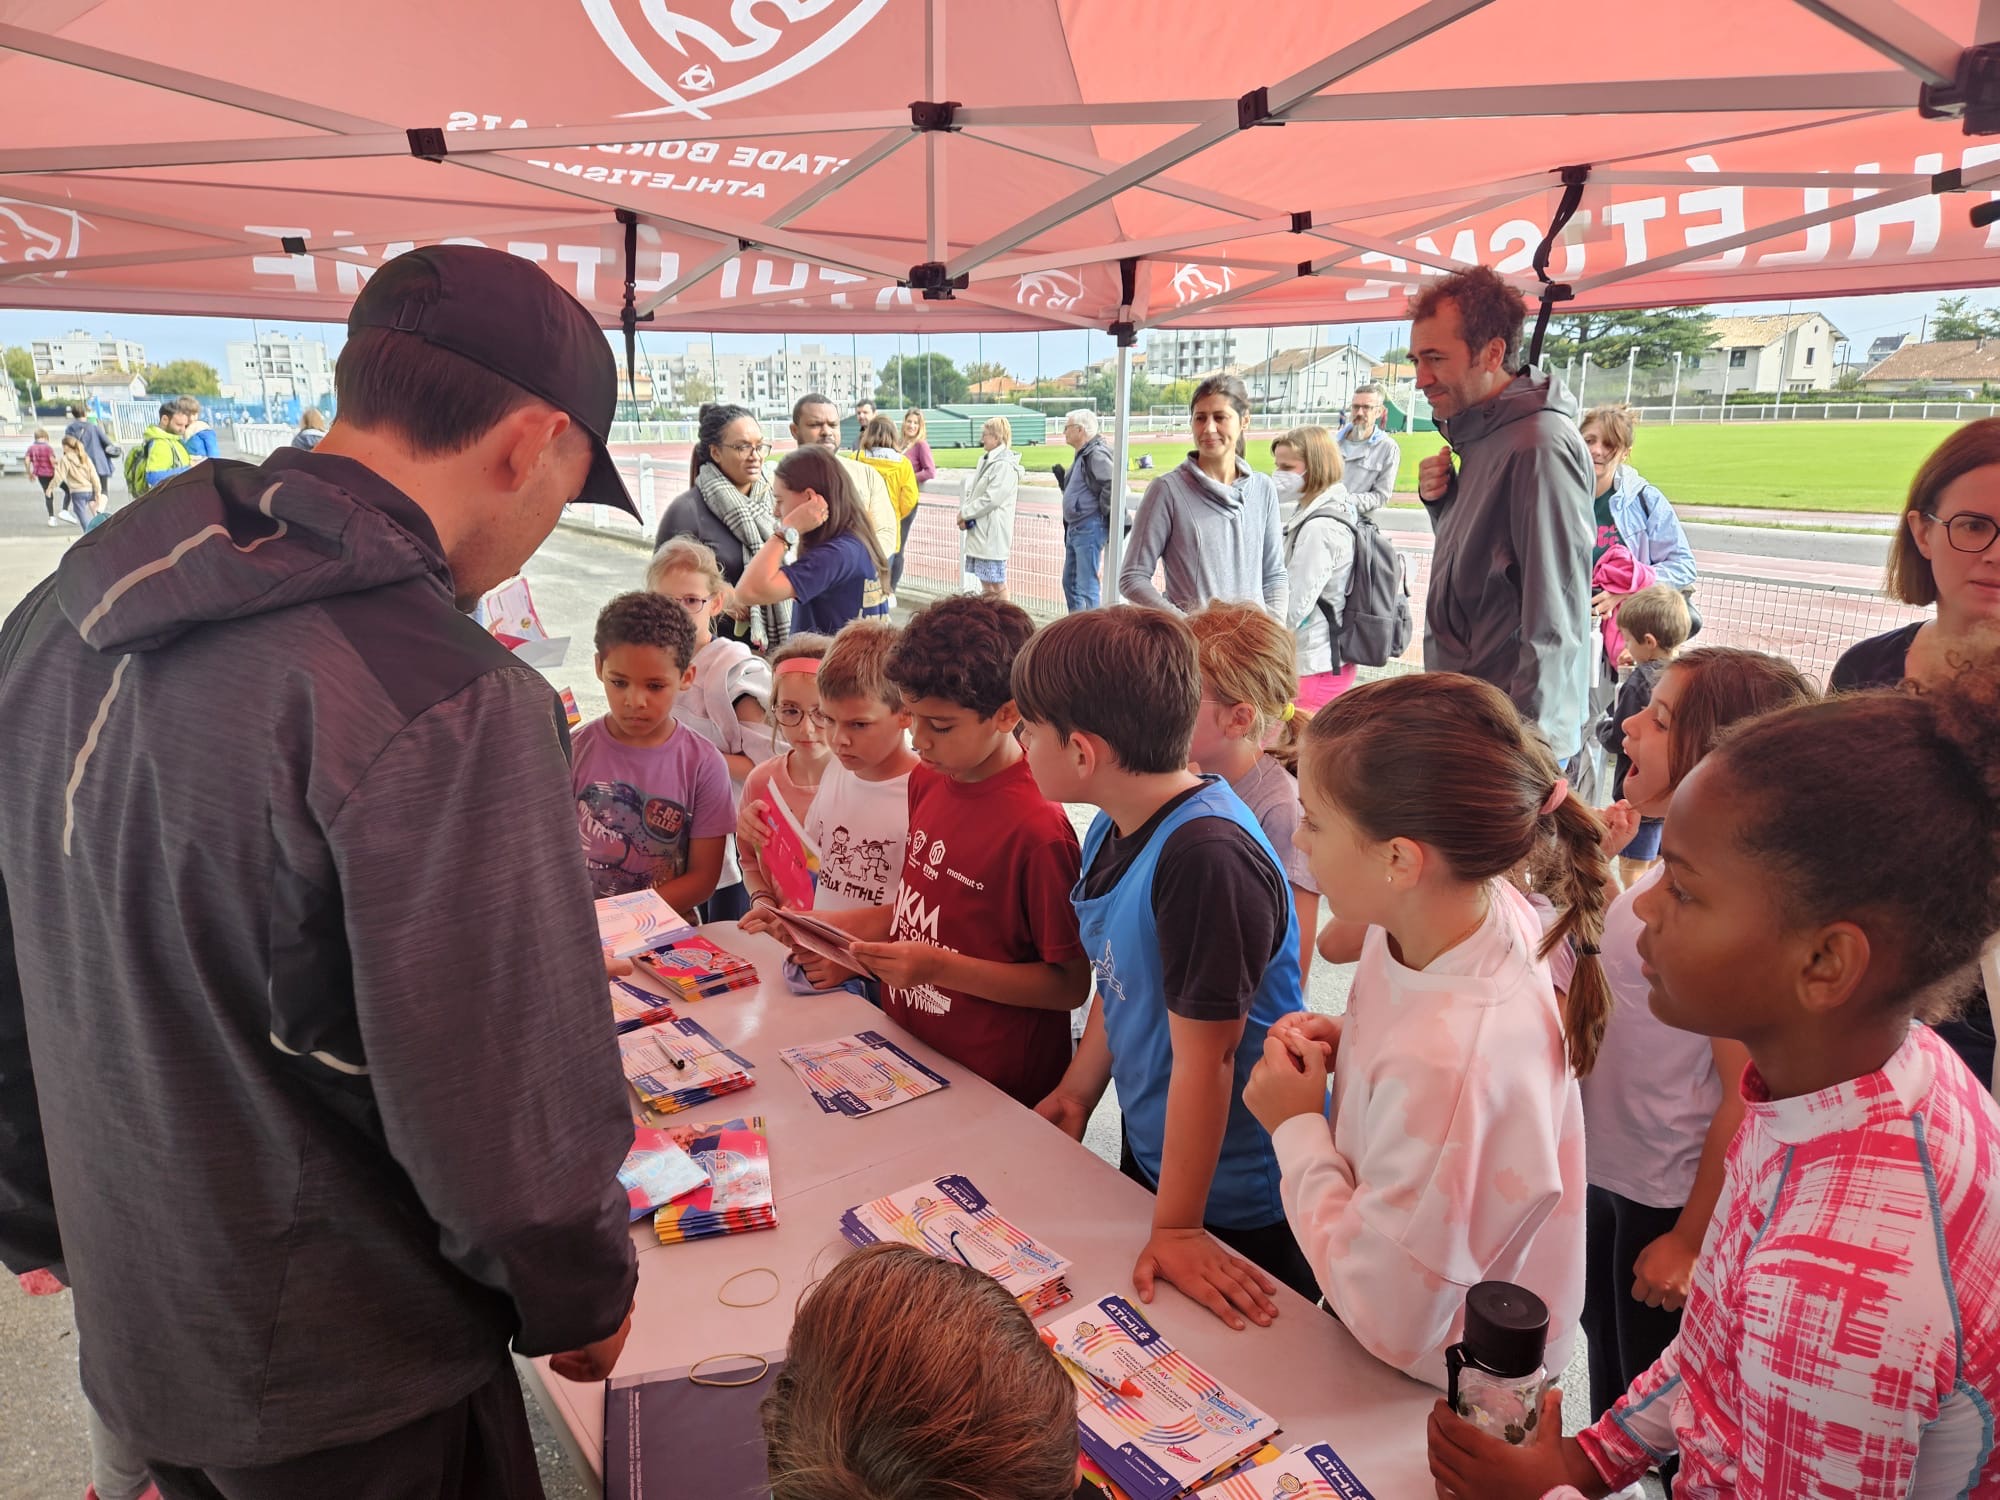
(293,244)
(928,115)
(1973,96)
(930,279)
(427,143)
(1127,334)
(1254,109)
(1302,220)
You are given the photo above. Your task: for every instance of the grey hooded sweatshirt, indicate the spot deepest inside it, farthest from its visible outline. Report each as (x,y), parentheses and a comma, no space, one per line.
(1510,573)
(306,1077)
(1218,541)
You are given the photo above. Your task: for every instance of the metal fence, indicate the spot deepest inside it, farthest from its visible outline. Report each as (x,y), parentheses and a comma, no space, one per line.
(1815,411)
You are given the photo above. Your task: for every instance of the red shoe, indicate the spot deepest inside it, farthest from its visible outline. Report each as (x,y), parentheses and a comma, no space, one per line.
(151,1492)
(43,1284)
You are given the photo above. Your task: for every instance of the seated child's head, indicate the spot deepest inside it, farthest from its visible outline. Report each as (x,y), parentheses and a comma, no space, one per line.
(1414,786)
(1654,622)
(685,571)
(645,659)
(1696,698)
(909,1378)
(795,690)
(1107,692)
(865,716)
(1832,866)
(1249,671)
(954,666)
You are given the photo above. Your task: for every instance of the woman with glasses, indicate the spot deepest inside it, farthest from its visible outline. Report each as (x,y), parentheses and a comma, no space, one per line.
(727,506)
(1946,553)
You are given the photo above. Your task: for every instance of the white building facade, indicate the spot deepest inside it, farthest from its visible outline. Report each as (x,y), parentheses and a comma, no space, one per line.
(1795,352)
(279,367)
(81,353)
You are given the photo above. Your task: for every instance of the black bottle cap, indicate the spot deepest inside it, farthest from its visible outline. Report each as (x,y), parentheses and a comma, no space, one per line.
(1506,1328)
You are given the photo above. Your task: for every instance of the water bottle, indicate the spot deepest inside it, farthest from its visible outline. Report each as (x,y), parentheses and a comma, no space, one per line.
(1494,1373)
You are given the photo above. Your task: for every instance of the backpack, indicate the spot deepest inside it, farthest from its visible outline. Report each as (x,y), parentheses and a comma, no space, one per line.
(1373,626)
(135,467)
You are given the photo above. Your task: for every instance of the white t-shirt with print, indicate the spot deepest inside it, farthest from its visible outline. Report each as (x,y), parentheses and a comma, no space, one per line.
(859,828)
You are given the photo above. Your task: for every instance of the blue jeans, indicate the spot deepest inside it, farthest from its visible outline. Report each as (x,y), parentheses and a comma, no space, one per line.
(1083,551)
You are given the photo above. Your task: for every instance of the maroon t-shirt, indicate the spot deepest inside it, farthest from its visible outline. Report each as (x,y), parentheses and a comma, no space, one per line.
(988,872)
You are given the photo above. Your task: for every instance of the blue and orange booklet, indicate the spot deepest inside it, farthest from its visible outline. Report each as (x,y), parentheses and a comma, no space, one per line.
(950,1218)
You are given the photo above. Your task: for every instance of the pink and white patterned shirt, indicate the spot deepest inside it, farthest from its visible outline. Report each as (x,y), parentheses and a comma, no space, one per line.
(1842,1334)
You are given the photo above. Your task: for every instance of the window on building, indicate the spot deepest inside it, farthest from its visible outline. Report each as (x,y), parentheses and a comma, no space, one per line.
(1810,352)
(1738,358)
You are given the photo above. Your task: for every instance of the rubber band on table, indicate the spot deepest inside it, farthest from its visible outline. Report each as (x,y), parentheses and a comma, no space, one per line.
(694,1377)
(777,1285)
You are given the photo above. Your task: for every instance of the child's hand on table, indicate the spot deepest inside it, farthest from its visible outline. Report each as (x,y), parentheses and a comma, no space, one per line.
(821,973)
(1227,1285)
(762,916)
(901,965)
(1066,1112)
(1286,1082)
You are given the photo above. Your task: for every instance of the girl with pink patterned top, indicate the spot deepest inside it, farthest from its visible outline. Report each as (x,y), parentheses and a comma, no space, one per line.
(1842,1330)
(1455,1152)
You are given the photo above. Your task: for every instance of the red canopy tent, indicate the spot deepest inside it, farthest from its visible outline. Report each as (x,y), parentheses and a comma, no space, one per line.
(875,165)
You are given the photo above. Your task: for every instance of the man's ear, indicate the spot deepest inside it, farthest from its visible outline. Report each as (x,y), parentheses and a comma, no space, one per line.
(525,438)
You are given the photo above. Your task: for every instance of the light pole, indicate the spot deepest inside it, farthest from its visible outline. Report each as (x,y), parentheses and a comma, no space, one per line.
(1583,382)
(1674,400)
(1631,361)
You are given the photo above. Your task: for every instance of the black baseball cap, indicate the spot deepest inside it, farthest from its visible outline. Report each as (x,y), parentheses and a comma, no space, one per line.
(504,314)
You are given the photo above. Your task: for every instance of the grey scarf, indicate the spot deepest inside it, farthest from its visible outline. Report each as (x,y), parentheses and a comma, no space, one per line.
(751,522)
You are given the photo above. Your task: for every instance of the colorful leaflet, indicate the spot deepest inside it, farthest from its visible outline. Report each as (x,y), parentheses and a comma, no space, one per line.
(951,1219)
(861,1075)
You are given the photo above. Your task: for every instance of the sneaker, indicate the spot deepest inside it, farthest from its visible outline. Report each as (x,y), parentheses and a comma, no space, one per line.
(54,522)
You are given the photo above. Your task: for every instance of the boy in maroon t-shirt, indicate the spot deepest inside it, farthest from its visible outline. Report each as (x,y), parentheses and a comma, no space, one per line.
(981,958)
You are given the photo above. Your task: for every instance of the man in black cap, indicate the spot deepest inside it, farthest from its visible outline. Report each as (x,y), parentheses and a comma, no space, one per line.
(306,1085)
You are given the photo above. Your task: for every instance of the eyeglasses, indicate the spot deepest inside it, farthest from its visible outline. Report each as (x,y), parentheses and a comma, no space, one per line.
(791,715)
(694,604)
(1968,532)
(745,450)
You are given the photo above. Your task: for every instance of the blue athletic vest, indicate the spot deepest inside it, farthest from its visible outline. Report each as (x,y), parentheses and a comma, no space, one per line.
(1123,942)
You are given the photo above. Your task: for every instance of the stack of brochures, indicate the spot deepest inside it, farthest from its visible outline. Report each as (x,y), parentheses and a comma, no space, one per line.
(1314,1473)
(633,1006)
(695,968)
(738,1197)
(861,1074)
(658,1170)
(637,922)
(1154,1422)
(951,1219)
(675,1064)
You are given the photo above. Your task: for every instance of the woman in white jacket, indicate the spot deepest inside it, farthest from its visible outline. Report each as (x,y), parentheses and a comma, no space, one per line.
(986,514)
(1319,557)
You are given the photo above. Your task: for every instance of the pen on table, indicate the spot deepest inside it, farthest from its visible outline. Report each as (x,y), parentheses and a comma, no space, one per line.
(1125,1386)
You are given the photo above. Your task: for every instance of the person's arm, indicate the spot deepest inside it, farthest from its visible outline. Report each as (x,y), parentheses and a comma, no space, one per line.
(1314,562)
(1305,907)
(764,579)
(982,499)
(1550,525)
(1667,544)
(1381,478)
(1627,702)
(694,885)
(1070,1105)
(1341,939)
(1664,1270)
(526,1199)
(922,464)
(1151,532)
(750,714)
(1275,579)
(29,1237)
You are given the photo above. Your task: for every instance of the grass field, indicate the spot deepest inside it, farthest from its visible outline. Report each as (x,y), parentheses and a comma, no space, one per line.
(1859,467)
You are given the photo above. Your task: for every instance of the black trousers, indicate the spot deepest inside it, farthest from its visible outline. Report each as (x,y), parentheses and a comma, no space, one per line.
(476,1449)
(902,541)
(1625,1335)
(1269,1247)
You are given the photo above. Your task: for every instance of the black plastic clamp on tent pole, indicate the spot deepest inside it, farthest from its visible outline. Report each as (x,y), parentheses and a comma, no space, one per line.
(293,244)
(1126,334)
(926,114)
(1254,108)
(1302,221)
(1973,95)
(930,279)
(1553,292)
(629,317)
(427,142)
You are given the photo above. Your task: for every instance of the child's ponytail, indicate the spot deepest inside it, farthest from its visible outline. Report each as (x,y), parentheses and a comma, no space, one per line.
(1247,656)
(1578,887)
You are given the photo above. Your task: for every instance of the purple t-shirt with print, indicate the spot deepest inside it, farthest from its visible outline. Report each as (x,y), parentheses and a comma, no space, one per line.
(637,809)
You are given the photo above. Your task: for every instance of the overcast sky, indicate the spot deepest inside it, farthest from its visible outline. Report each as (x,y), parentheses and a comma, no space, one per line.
(1861,319)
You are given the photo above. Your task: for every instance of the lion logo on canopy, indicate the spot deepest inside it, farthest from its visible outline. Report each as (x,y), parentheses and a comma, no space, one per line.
(722,50)
(34,231)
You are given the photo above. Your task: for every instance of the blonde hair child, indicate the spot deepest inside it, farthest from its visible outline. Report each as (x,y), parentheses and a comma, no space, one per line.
(794,774)
(1248,732)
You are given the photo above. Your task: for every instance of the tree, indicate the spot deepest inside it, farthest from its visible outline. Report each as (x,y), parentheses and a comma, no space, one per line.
(904,379)
(1609,337)
(981,371)
(182,377)
(1957,319)
(697,390)
(21,370)
(1102,387)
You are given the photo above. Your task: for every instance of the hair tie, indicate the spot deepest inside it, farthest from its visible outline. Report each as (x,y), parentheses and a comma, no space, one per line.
(1291,712)
(1558,794)
(1588,950)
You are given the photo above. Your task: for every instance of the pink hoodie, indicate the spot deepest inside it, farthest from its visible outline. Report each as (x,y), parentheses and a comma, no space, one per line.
(1618,572)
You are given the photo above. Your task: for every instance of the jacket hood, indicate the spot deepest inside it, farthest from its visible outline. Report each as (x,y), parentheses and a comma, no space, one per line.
(1628,482)
(230,540)
(1193,484)
(1001,455)
(1527,393)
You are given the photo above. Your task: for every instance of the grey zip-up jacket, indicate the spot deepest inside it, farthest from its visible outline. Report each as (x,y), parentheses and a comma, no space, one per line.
(1510,573)
(297,960)
(1217,541)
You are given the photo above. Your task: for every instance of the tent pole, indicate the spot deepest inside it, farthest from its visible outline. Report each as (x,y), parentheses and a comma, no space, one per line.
(1121,465)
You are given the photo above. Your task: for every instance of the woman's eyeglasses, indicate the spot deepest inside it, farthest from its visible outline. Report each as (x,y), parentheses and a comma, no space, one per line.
(1967,531)
(745,450)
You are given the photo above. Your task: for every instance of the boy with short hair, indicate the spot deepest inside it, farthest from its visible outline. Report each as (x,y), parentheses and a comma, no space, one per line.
(860,815)
(653,802)
(1185,913)
(1654,623)
(978,953)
